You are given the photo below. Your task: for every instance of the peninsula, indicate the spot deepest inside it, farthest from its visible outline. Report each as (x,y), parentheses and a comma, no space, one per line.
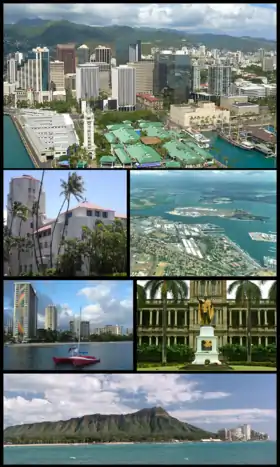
(238,214)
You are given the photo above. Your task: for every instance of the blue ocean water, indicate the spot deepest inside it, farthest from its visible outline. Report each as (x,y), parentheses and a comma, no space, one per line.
(15,154)
(249,453)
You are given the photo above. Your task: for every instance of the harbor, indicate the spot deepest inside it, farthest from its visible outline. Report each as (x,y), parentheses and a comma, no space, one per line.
(263,237)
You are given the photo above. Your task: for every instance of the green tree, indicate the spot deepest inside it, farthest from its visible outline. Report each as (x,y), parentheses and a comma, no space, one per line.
(177,289)
(248,294)
(23,216)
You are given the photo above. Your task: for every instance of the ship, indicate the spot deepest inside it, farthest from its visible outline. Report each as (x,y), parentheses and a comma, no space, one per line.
(201,140)
(264,150)
(242,144)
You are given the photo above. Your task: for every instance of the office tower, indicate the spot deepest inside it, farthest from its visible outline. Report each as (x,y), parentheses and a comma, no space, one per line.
(105,78)
(19,57)
(103,54)
(25,311)
(219,80)
(51,317)
(134,52)
(261,54)
(144,76)
(89,130)
(246,432)
(67,53)
(57,79)
(12,70)
(83,54)
(195,77)
(87,81)
(202,50)
(75,326)
(34,71)
(70,82)
(124,87)
(24,189)
(173,71)
(268,64)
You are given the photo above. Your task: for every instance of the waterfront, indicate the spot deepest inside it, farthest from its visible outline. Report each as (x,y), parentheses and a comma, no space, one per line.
(15,154)
(247,453)
(113,356)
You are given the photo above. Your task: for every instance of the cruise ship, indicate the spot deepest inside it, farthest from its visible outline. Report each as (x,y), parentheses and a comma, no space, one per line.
(200,139)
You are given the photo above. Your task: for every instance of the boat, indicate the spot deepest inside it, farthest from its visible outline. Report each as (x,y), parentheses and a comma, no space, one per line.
(77,358)
(201,140)
(243,144)
(263,149)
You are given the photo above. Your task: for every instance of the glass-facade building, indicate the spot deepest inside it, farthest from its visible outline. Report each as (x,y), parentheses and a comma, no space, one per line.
(173,71)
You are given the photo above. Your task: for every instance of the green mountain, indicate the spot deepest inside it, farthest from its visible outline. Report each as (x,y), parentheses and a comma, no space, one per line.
(28,33)
(153,424)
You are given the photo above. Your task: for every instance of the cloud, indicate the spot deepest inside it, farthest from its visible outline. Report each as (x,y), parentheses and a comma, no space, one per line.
(236,19)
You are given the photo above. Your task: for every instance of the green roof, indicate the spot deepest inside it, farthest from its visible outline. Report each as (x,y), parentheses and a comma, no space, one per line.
(143,153)
(199,151)
(172,164)
(126,135)
(110,137)
(105,159)
(144,124)
(81,164)
(183,153)
(117,126)
(121,154)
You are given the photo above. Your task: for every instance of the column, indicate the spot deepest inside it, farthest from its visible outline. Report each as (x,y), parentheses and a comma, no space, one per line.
(240,340)
(156,340)
(175,340)
(275,319)
(186,318)
(169,318)
(168,341)
(140,340)
(150,340)
(176,312)
(266,341)
(224,340)
(265,318)
(151,318)
(260,341)
(240,318)
(191,340)
(230,318)
(259,318)
(141,318)
(157,318)
(185,340)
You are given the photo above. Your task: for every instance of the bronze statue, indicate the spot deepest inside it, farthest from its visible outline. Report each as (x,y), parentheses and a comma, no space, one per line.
(206,311)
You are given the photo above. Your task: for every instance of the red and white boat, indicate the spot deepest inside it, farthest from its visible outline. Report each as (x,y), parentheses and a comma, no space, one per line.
(77,358)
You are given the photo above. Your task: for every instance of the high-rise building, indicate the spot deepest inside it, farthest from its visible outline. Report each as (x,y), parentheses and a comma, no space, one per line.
(268,64)
(135,52)
(124,87)
(195,77)
(89,131)
(87,81)
(246,429)
(25,311)
(12,70)
(219,80)
(83,54)
(172,72)
(67,53)
(144,76)
(57,80)
(51,317)
(103,54)
(19,57)
(34,71)
(75,326)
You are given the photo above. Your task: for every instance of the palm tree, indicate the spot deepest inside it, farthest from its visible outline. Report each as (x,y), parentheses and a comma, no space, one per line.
(247,293)
(73,187)
(16,208)
(178,290)
(37,218)
(23,216)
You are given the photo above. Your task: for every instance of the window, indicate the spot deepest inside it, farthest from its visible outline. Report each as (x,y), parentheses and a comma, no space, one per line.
(31,225)
(89,213)
(97,213)
(29,190)
(46,244)
(105,215)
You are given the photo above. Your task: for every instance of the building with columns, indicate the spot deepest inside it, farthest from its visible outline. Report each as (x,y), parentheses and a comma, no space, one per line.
(183,320)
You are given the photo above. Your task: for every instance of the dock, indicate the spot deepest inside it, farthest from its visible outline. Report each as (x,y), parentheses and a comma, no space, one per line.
(26,144)
(263,237)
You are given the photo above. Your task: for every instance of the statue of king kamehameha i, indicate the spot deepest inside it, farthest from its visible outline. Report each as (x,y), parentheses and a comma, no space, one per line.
(206,311)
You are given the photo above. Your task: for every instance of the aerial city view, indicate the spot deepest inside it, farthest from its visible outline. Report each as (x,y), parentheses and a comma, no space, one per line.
(60,223)
(213,325)
(139,304)
(203,223)
(68,325)
(81,96)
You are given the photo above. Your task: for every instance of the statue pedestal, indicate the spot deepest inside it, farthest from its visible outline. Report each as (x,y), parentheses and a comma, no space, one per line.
(206,347)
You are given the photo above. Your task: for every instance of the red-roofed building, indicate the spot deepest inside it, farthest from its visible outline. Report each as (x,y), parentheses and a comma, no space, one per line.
(150,101)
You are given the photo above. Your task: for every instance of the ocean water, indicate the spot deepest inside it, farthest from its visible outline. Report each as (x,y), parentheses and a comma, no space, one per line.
(113,356)
(15,154)
(249,453)
(236,157)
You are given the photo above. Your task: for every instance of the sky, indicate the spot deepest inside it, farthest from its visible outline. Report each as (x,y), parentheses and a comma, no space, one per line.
(264,288)
(234,175)
(106,188)
(102,302)
(237,19)
(209,401)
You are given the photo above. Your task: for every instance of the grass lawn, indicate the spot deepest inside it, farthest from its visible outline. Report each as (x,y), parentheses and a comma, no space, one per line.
(235,367)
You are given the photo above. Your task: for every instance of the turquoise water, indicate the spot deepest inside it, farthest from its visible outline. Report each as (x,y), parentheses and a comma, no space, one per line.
(15,154)
(249,453)
(237,157)
(112,355)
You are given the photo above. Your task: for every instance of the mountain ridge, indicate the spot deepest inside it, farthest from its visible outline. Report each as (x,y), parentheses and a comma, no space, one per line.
(145,424)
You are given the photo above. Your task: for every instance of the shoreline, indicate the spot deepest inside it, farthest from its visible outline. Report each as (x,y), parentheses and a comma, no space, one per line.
(54,344)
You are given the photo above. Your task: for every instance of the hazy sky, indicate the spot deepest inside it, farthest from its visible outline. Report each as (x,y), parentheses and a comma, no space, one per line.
(210,401)
(264,288)
(102,302)
(106,188)
(237,19)
(215,175)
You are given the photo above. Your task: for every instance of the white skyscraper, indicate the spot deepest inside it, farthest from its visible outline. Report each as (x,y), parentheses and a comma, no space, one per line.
(19,57)
(12,70)
(25,311)
(87,81)
(89,131)
(219,80)
(246,429)
(51,317)
(195,77)
(124,87)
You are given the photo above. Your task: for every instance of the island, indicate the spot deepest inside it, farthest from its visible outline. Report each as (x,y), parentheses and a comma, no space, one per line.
(238,214)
